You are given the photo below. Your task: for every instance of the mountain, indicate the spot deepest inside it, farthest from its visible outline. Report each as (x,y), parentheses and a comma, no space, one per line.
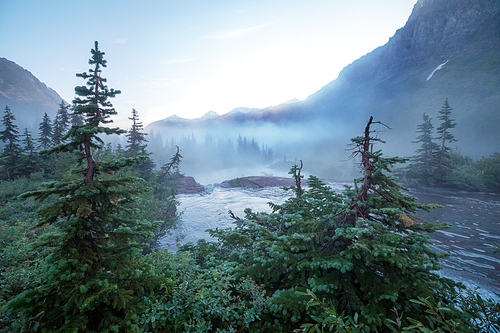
(394,83)
(447,49)
(26,96)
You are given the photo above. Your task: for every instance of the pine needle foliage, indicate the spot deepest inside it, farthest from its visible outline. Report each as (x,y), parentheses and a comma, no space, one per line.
(61,123)
(137,144)
(365,251)
(11,153)
(45,133)
(445,136)
(136,138)
(29,159)
(424,163)
(91,280)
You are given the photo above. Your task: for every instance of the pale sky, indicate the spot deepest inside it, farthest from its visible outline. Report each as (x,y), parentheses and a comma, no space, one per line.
(190,57)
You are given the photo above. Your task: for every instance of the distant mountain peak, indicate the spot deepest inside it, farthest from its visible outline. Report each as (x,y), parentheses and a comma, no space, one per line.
(211,115)
(175,119)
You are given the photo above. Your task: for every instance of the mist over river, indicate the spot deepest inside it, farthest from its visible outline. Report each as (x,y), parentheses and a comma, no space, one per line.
(474,218)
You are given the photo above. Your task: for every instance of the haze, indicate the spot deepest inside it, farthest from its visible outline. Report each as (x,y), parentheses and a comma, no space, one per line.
(190,57)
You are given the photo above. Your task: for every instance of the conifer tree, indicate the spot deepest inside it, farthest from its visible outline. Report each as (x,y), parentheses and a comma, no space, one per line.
(61,123)
(64,116)
(445,136)
(425,162)
(45,133)
(58,131)
(136,138)
(137,144)
(30,158)
(10,155)
(76,119)
(365,252)
(92,279)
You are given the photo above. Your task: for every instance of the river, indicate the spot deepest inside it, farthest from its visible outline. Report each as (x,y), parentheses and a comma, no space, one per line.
(474,218)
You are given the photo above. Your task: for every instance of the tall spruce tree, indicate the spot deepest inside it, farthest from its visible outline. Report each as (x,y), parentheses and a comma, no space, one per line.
(136,146)
(64,115)
(136,138)
(445,137)
(11,153)
(45,133)
(425,161)
(29,158)
(92,278)
(61,123)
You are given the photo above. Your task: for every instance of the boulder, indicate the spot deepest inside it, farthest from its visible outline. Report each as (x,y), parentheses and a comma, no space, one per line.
(188,185)
(256,182)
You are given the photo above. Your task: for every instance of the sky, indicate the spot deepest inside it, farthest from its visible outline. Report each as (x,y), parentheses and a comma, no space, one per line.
(189,57)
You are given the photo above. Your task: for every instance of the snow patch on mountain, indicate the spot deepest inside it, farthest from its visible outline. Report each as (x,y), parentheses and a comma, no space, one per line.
(437,68)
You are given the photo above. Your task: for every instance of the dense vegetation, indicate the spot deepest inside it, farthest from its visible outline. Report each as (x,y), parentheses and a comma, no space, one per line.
(78,249)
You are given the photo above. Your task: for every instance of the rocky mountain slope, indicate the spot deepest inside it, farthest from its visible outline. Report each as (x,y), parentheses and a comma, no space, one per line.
(26,96)
(457,41)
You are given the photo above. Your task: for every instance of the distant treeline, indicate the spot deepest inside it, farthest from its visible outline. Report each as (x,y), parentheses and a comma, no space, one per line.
(212,153)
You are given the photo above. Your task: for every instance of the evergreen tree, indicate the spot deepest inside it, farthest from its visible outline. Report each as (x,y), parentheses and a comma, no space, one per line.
(10,155)
(58,131)
(45,133)
(136,138)
(30,159)
(61,123)
(76,119)
(444,136)
(425,162)
(64,116)
(137,144)
(364,252)
(92,280)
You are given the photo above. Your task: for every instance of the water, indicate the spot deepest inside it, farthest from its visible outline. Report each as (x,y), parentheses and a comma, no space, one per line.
(474,219)
(475,227)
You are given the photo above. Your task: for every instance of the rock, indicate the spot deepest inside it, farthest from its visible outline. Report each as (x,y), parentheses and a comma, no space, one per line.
(256,182)
(188,185)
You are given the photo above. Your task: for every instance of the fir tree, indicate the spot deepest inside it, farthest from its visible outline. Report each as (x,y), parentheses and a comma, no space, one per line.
(58,131)
(425,162)
(30,158)
(92,279)
(11,152)
(137,144)
(61,123)
(136,138)
(365,252)
(445,136)
(76,119)
(45,133)
(64,116)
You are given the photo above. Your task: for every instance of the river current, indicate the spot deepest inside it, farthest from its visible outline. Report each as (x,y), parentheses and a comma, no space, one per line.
(474,218)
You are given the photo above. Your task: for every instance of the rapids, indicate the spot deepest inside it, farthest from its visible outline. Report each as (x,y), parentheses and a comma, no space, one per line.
(474,218)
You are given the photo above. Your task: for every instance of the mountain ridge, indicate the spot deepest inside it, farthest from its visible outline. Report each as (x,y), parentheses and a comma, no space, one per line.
(25,94)
(391,83)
